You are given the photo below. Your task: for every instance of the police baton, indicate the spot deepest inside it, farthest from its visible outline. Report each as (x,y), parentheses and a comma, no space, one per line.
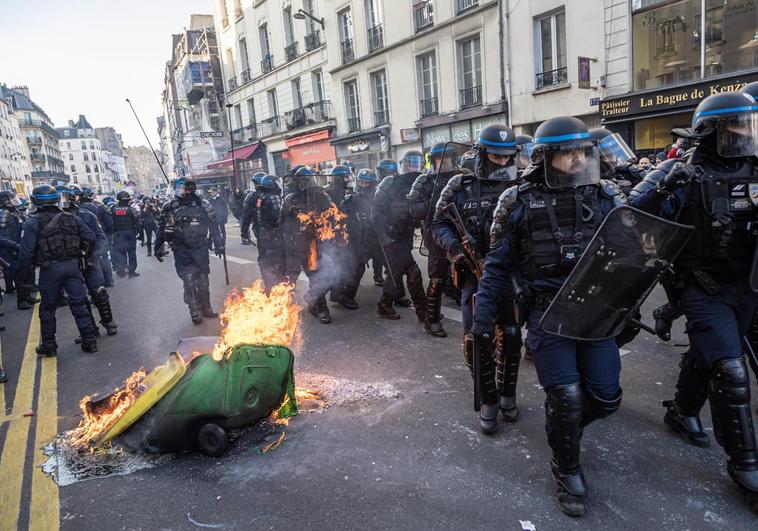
(226,267)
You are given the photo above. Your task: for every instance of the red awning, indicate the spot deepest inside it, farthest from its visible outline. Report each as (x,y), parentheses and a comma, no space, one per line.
(313,153)
(242,153)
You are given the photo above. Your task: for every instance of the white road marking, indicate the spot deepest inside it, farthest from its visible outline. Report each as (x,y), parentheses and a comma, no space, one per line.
(454,314)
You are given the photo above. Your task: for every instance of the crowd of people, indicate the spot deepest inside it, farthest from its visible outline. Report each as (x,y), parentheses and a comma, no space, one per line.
(503,225)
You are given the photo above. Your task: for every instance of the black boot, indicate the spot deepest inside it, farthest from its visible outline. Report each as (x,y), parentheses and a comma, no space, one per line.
(729,395)
(22,298)
(348,303)
(507,361)
(683,412)
(432,322)
(190,297)
(202,286)
(89,344)
(385,309)
(195,314)
(564,414)
(403,302)
(664,317)
(47,348)
(488,418)
(322,312)
(416,291)
(102,302)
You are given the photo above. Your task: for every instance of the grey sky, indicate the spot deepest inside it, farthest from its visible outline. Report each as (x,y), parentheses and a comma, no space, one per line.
(87,56)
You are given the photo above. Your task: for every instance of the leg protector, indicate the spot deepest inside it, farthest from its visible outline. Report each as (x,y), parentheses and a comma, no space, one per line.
(433,305)
(416,291)
(733,422)
(102,302)
(564,416)
(596,408)
(468,351)
(683,412)
(507,361)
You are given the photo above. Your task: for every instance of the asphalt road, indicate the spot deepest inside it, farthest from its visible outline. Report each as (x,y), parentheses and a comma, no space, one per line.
(406,455)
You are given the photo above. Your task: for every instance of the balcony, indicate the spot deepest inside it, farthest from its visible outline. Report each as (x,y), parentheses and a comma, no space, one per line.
(55,161)
(375,38)
(267,65)
(470,97)
(353,124)
(271,126)
(232,82)
(310,114)
(465,5)
(290,52)
(38,157)
(196,79)
(553,77)
(429,107)
(348,51)
(381,117)
(423,16)
(312,41)
(49,175)
(245,76)
(34,140)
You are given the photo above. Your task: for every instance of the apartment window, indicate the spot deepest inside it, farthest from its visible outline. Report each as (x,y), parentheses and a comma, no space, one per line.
(245,59)
(73,168)
(318,86)
(251,111)
(67,133)
(84,144)
(352,106)
(70,156)
(97,168)
(297,94)
(310,7)
(68,145)
(91,145)
(94,157)
(470,72)
(345,21)
(87,168)
(224,13)
(86,157)
(289,26)
(267,60)
(273,104)
(374,25)
(423,15)
(379,97)
(238,115)
(465,5)
(426,66)
(551,69)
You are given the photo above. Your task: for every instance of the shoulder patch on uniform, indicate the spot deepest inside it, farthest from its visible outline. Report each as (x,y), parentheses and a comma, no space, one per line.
(505,203)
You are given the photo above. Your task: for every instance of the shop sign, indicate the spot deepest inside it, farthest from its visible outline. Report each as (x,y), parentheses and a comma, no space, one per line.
(409,135)
(686,96)
(211,134)
(359,146)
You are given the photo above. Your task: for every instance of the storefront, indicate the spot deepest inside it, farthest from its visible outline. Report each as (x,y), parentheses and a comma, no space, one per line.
(645,119)
(463,131)
(248,159)
(313,150)
(364,149)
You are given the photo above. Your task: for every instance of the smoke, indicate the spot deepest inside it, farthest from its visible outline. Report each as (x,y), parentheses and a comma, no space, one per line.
(334,266)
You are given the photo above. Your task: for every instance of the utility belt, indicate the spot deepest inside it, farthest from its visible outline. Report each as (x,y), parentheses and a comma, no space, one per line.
(707,282)
(541,301)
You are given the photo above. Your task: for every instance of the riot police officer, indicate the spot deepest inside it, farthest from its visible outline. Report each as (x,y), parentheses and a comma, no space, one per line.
(473,197)
(270,239)
(185,223)
(339,177)
(11,221)
(364,245)
(540,229)
(126,228)
(56,241)
(717,267)
(302,248)
(422,199)
(106,222)
(394,227)
(248,210)
(93,274)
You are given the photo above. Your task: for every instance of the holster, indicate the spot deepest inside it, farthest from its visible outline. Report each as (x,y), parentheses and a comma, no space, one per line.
(706,281)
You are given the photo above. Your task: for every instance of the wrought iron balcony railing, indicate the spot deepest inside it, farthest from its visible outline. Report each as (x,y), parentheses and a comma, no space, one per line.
(232,82)
(381,117)
(310,114)
(348,51)
(423,16)
(429,107)
(470,96)
(553,77)
(312,41)
(353,124)
(291,52)
(245,76)
(375,38)
(465,5)
(271,126)
(267,65)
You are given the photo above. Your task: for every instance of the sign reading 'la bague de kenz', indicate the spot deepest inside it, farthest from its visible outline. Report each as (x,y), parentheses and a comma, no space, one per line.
(683,96)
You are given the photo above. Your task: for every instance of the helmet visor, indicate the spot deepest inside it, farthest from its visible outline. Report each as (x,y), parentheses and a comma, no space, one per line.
(524,156)
(504,173)
(184,188)
(572,165)
(737,136)
(413,164)
(614,151)
(64,202)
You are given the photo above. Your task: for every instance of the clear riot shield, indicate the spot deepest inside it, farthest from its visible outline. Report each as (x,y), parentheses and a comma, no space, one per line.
(614,276)
(452,163)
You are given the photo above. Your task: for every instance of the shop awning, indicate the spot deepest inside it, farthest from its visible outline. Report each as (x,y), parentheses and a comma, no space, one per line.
(243,153)
(312,154)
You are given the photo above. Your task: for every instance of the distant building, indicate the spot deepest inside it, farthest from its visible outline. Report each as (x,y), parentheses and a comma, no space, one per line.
(15,167)
(85,157)
(110,140)
(143,172)
(41,137)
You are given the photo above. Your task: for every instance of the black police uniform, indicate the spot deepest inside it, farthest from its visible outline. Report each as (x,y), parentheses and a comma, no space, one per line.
(476,200)
(394,227)
(11,222)
(248,216)
(148,218)
(103,215)
(126,227)
(715,194)
(185,223)
(268,206)
(54,240)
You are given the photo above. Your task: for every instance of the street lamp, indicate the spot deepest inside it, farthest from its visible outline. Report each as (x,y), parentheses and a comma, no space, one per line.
(231,139)
(302,15)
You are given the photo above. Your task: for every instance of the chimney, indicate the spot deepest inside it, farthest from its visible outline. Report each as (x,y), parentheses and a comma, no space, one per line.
(23,89)
(71,123)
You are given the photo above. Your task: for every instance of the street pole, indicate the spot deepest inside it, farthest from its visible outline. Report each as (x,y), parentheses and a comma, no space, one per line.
(231,139)
(148,142)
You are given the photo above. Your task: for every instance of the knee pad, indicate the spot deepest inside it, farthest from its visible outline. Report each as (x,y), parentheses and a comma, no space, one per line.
(414,273)
(596,407)
(435,287)
(564,403)
(100,296)
(202,280)
(729,381)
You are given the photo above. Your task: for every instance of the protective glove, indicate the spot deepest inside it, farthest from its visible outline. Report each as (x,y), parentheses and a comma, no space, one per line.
(220,251)
(679,174)
(459,256)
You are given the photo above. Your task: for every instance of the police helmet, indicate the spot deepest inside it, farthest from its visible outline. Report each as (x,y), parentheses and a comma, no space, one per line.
(567,152)
(366,179)
(751,89)
(341,170)
(386,167)
(268,183)
(256,179)
(614,150)
(350,166)
(87,194)
(733,117)
(123,196)
(9,197)
(304,178)
(45,195)
(413,162)
(498,140)
(184,187)
(526,145)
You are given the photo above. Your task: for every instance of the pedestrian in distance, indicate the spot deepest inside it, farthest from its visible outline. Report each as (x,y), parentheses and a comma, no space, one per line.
(126,231)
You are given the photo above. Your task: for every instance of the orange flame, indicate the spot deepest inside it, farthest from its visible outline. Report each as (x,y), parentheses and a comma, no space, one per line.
(329,225)
(100,417)
(254,318)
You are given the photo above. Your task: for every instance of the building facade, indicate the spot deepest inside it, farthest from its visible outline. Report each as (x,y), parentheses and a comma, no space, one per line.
(41,137)
(666,56)
(85,157)
(277,84)
(143,172)
(195,130)
(15,168)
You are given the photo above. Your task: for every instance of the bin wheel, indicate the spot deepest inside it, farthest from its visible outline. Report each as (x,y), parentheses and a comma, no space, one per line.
(212,440)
